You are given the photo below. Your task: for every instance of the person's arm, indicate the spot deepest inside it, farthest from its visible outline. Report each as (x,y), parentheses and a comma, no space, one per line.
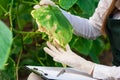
(68,57)
(82,26)
(106,72)
(89,28)
(71,59)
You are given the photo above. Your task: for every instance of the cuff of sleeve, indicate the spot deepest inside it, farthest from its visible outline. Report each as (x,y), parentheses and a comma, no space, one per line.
(101,71)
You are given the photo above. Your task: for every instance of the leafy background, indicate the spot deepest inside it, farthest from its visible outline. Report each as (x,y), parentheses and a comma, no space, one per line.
(22,45)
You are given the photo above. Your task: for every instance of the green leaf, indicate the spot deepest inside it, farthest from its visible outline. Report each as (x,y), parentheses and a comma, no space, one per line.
(9,72)
(24,17)
(51,21)
(65,4)
(87,6)
(97,48)
(5,43)
(81,45)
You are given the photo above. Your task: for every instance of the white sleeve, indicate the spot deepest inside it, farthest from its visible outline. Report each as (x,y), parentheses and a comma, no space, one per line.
(99,14)
(106,72)
(88,28)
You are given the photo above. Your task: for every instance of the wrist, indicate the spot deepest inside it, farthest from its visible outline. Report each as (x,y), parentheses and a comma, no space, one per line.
(87,67)
(90,67)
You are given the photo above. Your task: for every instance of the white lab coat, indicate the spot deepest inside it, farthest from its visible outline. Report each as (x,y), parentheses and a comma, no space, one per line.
(90,28)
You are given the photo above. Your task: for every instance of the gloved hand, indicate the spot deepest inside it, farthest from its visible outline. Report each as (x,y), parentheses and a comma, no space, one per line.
(34,76)
(44,2)
(69,58)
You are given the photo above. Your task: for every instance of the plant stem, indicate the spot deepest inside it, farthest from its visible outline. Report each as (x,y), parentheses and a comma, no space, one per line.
(23,32)
(10,15)
(18,61)
(17,16)
(3,8)
(40,61)
(17,65)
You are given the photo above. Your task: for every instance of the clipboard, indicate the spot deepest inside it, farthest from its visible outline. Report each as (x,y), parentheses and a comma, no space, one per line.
(59,73)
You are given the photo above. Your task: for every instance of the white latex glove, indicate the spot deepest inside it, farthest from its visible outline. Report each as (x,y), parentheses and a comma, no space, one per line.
(34,76)
(69,58)
(44,2)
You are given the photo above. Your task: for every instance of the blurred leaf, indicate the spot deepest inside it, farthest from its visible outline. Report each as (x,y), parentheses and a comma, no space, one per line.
(9,72)
(4,6)
(29,61)
(81,45)
(5,43)
(65,4)
(97,47)
(17,45)
(24,16)
(87,6)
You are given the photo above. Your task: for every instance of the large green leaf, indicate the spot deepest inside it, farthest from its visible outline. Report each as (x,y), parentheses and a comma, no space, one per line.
(65,4)
(5,43)
(97,48)
(87,6)
(81,45)
(51,21)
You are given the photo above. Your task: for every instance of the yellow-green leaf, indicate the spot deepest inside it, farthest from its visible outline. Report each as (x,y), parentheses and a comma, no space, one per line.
(51,21)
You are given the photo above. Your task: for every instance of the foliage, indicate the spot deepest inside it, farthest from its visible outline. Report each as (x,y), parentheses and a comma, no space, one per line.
(9,72)
(6,41)
(28,43)
(51,21)
(91,48)
(67,4)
